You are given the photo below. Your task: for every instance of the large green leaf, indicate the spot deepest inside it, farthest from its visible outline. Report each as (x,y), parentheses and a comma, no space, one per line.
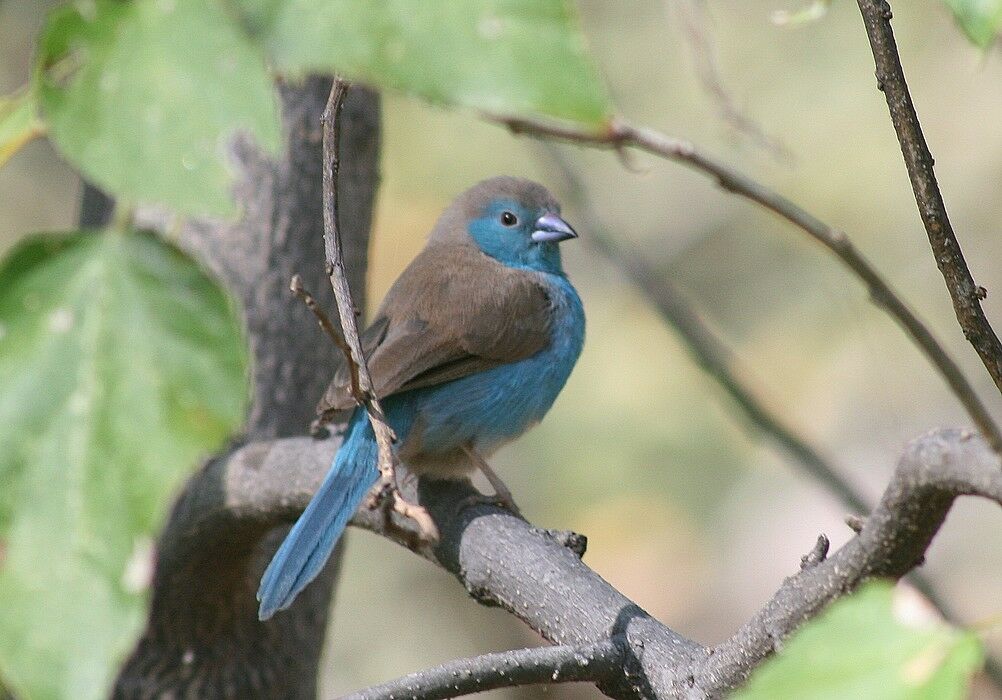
(875,644)
(501,56)
(146,97)
(121,364)
(19,123)
(981,20)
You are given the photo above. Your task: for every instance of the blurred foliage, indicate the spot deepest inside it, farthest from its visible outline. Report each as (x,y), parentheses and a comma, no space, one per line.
(143,97)
(19,123)
(981,20)
(640,452)
(121,364)
(502,56)
(808,13)
(146,97)
(877,643)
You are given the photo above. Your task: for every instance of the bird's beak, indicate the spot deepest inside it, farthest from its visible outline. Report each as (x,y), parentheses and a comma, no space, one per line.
(550,228)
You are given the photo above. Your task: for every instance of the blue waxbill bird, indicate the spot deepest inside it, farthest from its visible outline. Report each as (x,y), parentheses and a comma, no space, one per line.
(469,350)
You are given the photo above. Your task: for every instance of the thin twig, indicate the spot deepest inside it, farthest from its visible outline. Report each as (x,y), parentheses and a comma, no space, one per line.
(695,29)
(506,669)
(705,347)
(619,134)
(362,387)
(324,321)
(966,295)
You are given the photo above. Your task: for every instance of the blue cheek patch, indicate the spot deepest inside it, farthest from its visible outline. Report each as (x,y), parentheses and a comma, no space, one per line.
(513,245)
(507,244)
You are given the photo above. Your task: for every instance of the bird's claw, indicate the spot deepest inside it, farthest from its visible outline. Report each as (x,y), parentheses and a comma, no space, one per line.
(386,495)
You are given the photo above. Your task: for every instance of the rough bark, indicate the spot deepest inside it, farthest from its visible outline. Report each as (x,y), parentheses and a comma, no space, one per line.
(538,575)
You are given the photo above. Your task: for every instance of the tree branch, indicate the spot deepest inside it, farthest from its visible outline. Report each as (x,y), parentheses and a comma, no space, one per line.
(620,134)
(505,669)
(695,25)
(705,347)
(966,295)
(935,469)
(539,577)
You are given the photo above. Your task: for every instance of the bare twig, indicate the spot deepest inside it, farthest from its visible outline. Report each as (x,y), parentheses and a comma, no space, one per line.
(966,295)
(964,292)
(362,387)
(619,134)
(505,669)
(695,29)
(324,321)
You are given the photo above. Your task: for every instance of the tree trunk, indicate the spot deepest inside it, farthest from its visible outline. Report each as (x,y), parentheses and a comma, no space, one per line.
(203,638)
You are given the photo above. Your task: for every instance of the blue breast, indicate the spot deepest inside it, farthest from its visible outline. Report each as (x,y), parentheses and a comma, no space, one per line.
(493,407)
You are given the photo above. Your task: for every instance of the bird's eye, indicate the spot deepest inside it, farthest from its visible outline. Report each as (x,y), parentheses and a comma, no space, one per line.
(508,219)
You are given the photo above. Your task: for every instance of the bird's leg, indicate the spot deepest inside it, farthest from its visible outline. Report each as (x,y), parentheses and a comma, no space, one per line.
(502,495)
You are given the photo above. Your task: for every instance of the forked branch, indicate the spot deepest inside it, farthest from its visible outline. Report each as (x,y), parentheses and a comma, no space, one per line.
(539,577)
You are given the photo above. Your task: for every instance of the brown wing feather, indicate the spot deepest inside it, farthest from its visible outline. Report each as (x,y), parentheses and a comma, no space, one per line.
(453,312)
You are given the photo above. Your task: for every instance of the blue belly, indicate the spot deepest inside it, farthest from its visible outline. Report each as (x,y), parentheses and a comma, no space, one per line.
(490,408)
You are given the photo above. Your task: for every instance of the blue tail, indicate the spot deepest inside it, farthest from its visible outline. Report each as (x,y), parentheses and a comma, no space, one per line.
(311,540)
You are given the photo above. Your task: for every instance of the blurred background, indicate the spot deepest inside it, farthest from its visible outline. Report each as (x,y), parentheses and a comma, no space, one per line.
(688,512)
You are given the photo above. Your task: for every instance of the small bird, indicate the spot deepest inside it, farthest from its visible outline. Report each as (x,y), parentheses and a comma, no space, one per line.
(469,349)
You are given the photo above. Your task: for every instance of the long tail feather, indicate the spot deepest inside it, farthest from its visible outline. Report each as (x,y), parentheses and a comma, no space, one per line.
(311,540)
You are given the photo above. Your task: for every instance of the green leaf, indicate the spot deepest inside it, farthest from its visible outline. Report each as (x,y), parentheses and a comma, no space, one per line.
(19,123)
(146,98)
(981,20)
(505,57)
(877,643)
(121,364)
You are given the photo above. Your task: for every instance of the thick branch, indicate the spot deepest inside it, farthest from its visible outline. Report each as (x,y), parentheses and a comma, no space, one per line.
(539,577)
(505,669)
(966,295)
(619,134)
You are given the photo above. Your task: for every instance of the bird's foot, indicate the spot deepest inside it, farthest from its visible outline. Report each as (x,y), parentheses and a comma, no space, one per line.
(427,530)
(501,500)
(502,495)
(387,496)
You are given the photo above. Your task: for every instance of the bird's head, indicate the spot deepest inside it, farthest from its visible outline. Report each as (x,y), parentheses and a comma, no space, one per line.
(517,222)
